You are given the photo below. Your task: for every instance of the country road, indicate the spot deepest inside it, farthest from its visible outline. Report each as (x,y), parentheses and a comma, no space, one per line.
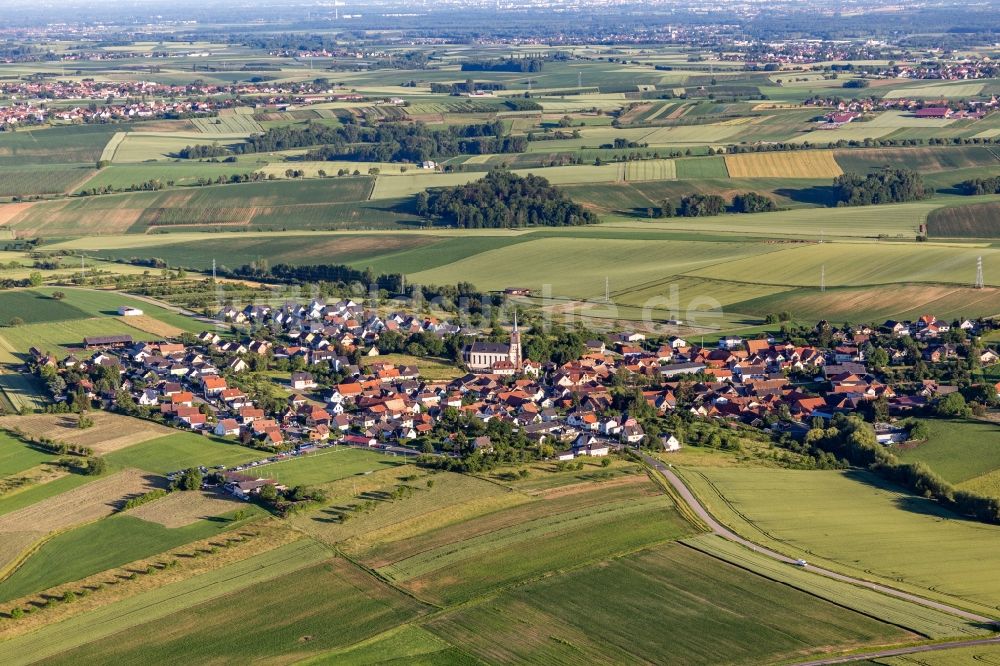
(724,532)
(916,649)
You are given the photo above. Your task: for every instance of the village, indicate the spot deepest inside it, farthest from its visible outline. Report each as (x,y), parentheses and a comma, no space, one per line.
(616,394)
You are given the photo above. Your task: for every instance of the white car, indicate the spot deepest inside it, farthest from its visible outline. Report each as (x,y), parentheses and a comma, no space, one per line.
(801,563)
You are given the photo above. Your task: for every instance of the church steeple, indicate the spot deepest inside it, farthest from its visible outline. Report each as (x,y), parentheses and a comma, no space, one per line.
(515,345)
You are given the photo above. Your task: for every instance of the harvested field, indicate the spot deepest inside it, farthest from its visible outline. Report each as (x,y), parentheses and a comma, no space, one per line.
(183,508)
(11,211)
(651,170)
(33,476)
(88,502)
(110,432)
(13,544)
(152,325)
(812,164)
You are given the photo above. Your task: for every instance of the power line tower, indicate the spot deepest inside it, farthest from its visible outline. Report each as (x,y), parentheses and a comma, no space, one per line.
(213,270)
(579,79)
(822,277)
(607,290)
(980,282)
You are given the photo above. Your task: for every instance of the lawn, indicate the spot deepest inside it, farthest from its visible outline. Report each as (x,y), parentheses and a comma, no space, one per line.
(430,368)
(705,611)
(180,451)
(160,602)
(326,606)
(852,521)
(327,465)
(72,555)
(958,450)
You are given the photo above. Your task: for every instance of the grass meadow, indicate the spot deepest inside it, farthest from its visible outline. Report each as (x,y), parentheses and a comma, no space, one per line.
(182,450)
(958,450)
(852,521)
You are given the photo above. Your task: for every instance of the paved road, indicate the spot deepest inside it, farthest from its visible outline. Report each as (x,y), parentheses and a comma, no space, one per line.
(726,533)
(901,651)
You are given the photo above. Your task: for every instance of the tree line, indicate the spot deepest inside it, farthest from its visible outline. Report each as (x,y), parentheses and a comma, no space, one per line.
(387,142)
(882,186)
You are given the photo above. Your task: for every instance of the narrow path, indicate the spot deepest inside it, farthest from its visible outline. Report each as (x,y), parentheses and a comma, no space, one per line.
(902,651)
(724,532)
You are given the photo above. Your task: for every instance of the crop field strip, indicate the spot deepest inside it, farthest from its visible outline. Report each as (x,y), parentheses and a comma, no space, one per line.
(161,602)
(802,164)
(747,620)
(919,619)
(333,604)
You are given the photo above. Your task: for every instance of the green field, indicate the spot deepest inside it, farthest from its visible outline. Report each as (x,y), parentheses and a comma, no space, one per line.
(62,337)
(958,450)
(43,179)
(180,451)
(71,555)
(701,167)
(267,204)
(705,611)
(315,609)
(66,145)
(161,602)
(327,465)
(409,644)
(854,522)
(972,221)
(291,249)
(925,621)
(34,307)
(16,456)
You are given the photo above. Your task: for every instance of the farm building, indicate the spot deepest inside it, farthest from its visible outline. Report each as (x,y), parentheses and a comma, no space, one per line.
(96,341)
(128,311)
(934,112)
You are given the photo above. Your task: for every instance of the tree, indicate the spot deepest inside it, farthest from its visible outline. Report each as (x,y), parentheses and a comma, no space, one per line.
(952,405)
(190,479)
(269,493)
(58,295)
(751,202)
(36,279)
(95,466)
(701,205)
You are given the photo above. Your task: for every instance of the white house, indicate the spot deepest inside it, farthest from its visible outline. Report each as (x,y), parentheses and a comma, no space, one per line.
(670,443)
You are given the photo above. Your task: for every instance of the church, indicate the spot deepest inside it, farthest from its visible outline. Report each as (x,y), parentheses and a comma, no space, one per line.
(495,357)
